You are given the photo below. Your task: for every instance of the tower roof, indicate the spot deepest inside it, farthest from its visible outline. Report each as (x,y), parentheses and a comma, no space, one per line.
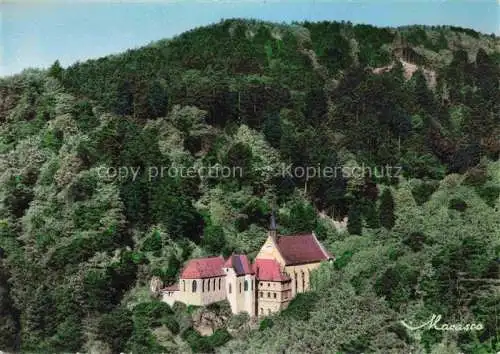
(240,264)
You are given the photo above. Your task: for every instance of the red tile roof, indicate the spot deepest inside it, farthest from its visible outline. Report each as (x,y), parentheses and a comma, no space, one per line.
(240,264)
(203,268)
(302,248)
(174,287)
(268,270)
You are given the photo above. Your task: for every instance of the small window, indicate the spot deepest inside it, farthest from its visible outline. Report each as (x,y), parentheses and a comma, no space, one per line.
(230,289)
(219,283)
(252,285)
(268,294)
(261,311)
(203,286)
(194,286)
(213,284)
(261,294)
(268,284)
(240,287)
(274,295)
(246,285)
(183,285)
(268,311)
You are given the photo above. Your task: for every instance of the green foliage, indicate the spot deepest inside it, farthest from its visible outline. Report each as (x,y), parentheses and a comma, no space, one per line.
(115,326)
(489,193)
(153,312)
(301,306)
(53,140)
(386,210)
(370,214)
(415,241)
(266,323)
(302,218)
(457,204)
(342,260)
(238,320)
(77,247)
(69,335)
(272,130)
(397,285)
(355,221)
(422,191)
(219,338)
(56,70)
(9,321)
(214,239)
(197,342)
(171,324)
(153,242)
(371,41)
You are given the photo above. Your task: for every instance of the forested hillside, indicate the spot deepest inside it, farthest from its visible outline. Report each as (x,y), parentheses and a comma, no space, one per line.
(78,247)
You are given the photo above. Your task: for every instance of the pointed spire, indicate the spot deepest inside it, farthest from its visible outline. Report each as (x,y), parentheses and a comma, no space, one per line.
(272,225)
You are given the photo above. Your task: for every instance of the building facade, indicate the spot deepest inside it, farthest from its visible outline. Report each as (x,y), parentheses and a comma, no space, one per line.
(280,271)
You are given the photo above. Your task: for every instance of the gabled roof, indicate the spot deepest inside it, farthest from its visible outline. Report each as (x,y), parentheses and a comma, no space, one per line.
(240,264)
(173,287)
(301,249)
(268,270)
(203,268)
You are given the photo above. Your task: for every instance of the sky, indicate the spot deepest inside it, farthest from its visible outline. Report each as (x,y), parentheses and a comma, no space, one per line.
(36,33)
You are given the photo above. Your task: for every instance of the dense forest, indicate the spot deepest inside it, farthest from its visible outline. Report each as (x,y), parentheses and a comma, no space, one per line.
(78,248)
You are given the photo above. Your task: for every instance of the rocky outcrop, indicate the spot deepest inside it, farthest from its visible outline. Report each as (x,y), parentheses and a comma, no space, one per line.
(206,320)
(155,285)
(408,70)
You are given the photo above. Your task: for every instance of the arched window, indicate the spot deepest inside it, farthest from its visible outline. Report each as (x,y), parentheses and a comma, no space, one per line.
(203,286)
(252,286)
(219,283)
(230,289)
(295,277)
(261,311)
(213,284)
(268,311)
(303,281)
(246,285)
(184,285)
(194,286)
(240,287)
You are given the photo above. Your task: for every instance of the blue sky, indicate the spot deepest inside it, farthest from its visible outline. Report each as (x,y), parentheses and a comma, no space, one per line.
(36,33)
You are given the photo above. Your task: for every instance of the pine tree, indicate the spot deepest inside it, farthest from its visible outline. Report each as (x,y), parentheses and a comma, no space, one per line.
(423,95)
(272,130)
(386,210)
(370,214)
(56,70)
(302,218)
(355,222)
(214,239)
